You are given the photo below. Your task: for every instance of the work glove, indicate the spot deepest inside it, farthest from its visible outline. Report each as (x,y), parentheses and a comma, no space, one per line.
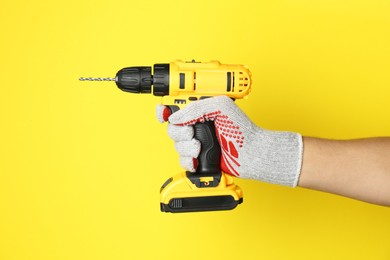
(247,150)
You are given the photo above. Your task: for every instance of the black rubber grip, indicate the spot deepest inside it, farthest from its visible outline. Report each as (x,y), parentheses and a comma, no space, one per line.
(210,154)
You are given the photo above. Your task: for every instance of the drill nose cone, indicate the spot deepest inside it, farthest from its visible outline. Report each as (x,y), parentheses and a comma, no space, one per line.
(135,79)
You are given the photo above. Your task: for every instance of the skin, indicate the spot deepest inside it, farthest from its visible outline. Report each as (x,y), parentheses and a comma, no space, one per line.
(358,169)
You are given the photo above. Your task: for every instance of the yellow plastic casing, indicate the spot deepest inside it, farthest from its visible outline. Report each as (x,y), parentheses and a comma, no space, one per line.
(182,187)
(191,81)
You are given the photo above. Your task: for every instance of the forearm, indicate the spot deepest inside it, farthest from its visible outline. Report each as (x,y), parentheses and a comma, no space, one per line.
(358,169)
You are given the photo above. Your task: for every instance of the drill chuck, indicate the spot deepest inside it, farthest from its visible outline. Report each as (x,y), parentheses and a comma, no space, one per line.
(140,79)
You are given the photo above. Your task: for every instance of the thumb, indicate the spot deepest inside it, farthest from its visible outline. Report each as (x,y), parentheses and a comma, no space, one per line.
(198,111)
(162,113)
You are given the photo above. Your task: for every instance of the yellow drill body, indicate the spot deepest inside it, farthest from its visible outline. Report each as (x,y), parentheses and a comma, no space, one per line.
(180,83)
(190,81)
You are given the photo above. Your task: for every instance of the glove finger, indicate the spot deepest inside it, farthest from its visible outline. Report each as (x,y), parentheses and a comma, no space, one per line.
(188,148)
(180,133)
(200,111)
(189,163)
(162,113)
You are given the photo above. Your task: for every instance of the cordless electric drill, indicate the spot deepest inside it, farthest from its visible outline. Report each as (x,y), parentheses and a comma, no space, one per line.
(180,83)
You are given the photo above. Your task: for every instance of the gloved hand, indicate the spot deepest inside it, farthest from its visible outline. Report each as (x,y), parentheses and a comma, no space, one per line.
(247,151)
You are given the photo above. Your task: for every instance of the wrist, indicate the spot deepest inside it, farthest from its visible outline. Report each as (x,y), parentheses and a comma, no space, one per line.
(274,157)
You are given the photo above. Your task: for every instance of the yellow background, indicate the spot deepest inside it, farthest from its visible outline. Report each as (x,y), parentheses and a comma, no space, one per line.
(81,164)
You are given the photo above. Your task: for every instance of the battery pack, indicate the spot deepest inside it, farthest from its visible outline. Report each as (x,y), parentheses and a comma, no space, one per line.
(186,192)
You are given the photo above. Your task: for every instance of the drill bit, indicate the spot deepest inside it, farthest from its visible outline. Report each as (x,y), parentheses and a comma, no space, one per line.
(97,79)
